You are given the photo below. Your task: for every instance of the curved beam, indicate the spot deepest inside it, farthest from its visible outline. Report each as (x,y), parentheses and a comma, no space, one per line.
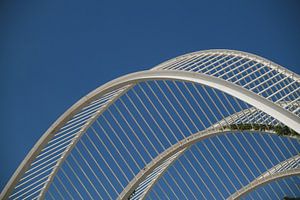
(149,181)
(260,182)
(180,146)
(53,129)
(291,163)
(216,126)
(234,90)
(251,98)
(241,54)
(285,166)
(237,115)
(241,117)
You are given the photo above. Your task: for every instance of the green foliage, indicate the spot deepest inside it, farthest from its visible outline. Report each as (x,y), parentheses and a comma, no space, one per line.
(280,130)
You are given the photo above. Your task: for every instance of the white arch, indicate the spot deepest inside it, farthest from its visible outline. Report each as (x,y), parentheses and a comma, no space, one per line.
(251,98)
(262,181)
(179,147)
(127,81)
(242,54)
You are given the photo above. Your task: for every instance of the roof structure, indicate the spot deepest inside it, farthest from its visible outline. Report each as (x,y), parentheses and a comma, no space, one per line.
(215,124)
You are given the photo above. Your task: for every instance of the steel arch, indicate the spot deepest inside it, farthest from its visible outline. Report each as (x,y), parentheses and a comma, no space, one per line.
(242,54)
(289,167)
(124,83)
(177,150)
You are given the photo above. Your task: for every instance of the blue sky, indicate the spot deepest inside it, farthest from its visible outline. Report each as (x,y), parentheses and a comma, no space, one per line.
(54,52)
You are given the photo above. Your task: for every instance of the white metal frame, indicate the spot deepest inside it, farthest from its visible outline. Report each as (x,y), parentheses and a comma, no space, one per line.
(178,69)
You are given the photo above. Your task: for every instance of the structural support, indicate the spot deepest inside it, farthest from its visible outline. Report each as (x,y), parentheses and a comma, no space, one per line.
(260,182)
(182,145)
(201,68)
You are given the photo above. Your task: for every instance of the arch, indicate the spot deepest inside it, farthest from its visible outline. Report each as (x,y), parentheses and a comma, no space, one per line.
(284,169)
(177,149)
(242,54)
(122,84)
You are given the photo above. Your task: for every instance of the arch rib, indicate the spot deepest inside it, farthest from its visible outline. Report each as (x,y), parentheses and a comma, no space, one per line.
(177,153)
(242,54)
(251,98)
(289,167)
(177,149)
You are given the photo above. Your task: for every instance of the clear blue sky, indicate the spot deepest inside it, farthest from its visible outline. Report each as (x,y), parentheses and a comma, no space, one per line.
(54,52)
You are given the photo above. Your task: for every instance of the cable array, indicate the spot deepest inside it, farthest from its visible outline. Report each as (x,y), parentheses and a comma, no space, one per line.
(203,125)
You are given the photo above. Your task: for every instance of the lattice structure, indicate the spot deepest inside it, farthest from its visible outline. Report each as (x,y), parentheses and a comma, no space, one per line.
(213,124)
